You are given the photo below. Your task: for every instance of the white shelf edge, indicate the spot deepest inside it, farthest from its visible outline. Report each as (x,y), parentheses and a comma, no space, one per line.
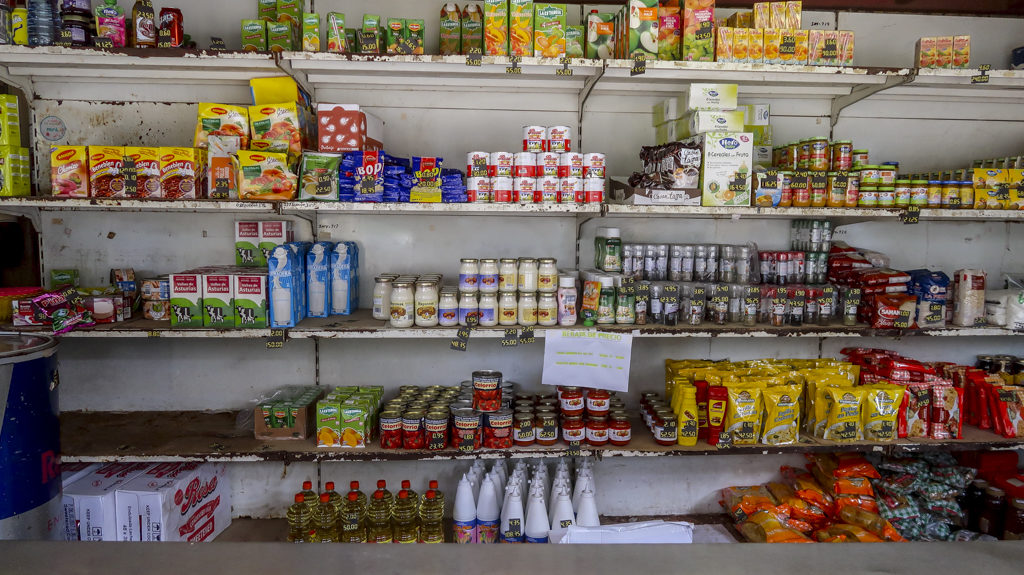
(789,213)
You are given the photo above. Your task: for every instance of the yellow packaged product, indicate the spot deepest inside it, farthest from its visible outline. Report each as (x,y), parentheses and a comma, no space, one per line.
(742,502)
(265,176)
(275,124)
(880,411)
(844,414)
(782,415)
(768,527)
(846,533)
(221,120)
(743,414)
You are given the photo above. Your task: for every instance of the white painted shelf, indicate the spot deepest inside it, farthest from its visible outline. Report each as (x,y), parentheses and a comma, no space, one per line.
(440,209)
(129,205)
(881,214)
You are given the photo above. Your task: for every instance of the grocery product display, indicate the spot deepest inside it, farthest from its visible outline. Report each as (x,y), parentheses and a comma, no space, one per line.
(773,33)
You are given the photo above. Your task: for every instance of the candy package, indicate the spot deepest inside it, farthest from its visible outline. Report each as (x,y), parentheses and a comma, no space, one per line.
(64,309)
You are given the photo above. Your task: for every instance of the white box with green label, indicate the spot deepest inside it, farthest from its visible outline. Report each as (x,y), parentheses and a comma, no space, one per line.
(711,121)
(249,293)
(711,97)
(727,160)
(218,303)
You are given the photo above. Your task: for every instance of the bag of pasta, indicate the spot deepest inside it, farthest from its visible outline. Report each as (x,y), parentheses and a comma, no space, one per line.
(881,410)
(769,527)
(782,415)
(742,502)
(743,414)
(844,414)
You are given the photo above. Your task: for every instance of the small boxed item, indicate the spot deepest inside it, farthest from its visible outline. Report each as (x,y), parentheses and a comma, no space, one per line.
(287,413)
(174,502)
(249,292)
(711,97)
(157,310)
(156,289)
(89,503)
(727,165)
(186,300)
(347,128)
(712,121)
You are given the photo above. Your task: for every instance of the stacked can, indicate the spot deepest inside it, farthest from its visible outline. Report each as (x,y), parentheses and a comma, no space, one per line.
(418,418)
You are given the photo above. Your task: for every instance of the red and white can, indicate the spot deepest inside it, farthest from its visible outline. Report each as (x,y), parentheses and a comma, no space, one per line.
(524,190)
(478,189)
(593,189)
(570,191)
(594,165)
(499,164)
(570,165)
(501,190)
(547,164)
(534,139)
(525,165)
(547,188)
(476,164)
(559,139)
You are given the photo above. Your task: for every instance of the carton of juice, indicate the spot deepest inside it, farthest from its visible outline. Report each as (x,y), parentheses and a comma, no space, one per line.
(496,27)
(574,41)
(394,32)
(414,33)
(254,35)
(472,26)
(815,46)
(740,39)
(830,55)
(794,15)
(740,19)
(147,170)
(336,40)
(723,44)
(762,15)
(450,33)
(755,46)
(777,15)
(520,27)
(310,32)
(69,171)
(328,423)
(961,52)
(846,46)
(600,35)
(373,25)
(218,305)
(290,12)
(699,31)
(548,30)
(643,28)
(186,300)
(800,51)
(944,52)
(670,23)
(249,293)
(279,37)
(925,52)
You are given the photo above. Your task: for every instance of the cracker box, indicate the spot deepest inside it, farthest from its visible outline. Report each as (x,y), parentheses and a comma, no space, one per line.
(548,30)
(175,502)
(348,128)
(727,165)
(186,300)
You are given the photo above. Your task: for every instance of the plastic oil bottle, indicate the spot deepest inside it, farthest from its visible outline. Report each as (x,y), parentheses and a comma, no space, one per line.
(431,513)
(325,521)
(336,500)
(413,496)
(382,486)
(309,496)
(353,520)
(298,520)
(379,519)
(354,488)
(438,494)
(404,518)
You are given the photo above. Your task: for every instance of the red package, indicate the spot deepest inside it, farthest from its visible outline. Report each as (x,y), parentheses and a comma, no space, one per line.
(918,409)
(1010,410)
(880,276)
(718,402)
(946,418)
(893,309)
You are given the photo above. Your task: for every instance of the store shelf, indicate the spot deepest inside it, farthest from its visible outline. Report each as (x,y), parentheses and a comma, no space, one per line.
(147,436)
(57,204)
(479,209)
(843,214)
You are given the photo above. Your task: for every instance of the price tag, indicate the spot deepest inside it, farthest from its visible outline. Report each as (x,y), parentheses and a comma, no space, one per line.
(565,523)
(788,44)
(276,339)
(818,181)
(935,313)
(458,345)
(1008,396)
(64,38)
(436,441)
(103,43)
(511,338)
(217,43)
(406,47)
(903,320)
(639,65)
(514,68)
(221,189)
(983,77)
(954,202)
(912,215)
(724,440)
(565,69)
(474,57)
(323,184)
(131,176)
(526,336)
(367,42)
(515,529)
(461,341)
(830,51)
(574,449)
(466,442)
(164,39)
(721,294)
(152,333)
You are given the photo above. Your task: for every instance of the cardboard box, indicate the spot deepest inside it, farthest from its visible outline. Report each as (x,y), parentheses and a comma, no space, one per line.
(175,502)
(10,121)
(723,45)
(89,502)
(450,42)
(549,23)
(622,193)
(186,300)
(756,114)
(310,32)
(961,51)
(667,110)
(924,52)
(846,46)
(728,159)
(740,45)
(600,35)
(772,45)
(303,422)
(495,28)
(794,15)
(249,293)
(472,25)
(318,279)
(221,176)
(642,28)
(711,97)
(755,46)
(344,278)
(777,15)
(277,89)
(574,41)
(279,37)
(254,35)
(944,52)
(670,32)
(181,172)
(273,234)
(285,296)
(699,31)
(348,128)
(712,121)
(337,43)
(218,303)
(520,27)
(105,177)
(762,15)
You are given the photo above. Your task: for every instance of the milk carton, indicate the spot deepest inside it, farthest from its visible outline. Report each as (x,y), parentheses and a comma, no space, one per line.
(89,502)
(318,279)
(247,245)
(249,293)
(301,250)
(273,234)
(174,502)
(285,299)
(344,278)
(218,306)
(186,300)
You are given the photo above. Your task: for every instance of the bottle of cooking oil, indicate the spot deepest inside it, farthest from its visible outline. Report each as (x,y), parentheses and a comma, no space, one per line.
(413,496)
(336,500)
(382,486)
(438,495)
(298,520)
(378,516)
(309,495)
(353,520)
(354,488)
(325,521)
(404,517)
(431,513)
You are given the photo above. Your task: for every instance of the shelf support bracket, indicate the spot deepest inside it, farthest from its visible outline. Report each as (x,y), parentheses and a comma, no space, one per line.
(588,87)
(299,77)
(859,93)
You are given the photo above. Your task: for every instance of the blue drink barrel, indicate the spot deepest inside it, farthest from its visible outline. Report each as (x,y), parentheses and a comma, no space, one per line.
(30,486)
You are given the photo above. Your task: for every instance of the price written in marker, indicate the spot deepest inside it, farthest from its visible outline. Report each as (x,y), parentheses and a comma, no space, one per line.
(217,43)
(474,57)
(103,43)
(221,189)
(515,529)
(152,333)
(406,47)
(912,215)
(639,65)
(436,442)
(64,39)
(514,69)
(367,42)
(131,176)
(277,339)
(565,70)
(466,443)
(164,39)
(983,77)
(527,337)
(511,338)
(574,449)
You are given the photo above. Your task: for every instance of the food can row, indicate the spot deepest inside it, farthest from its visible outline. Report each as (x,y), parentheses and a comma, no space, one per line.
(546,189)
(547,139)
(536,164)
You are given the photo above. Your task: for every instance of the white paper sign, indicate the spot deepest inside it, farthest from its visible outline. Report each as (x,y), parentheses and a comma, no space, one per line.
(587,358)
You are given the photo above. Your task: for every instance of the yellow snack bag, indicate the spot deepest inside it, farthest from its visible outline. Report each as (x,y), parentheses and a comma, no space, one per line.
(844,414)
(221,120)
(265,176)
(743,415)
(822,406)
(278,125)
(881,406)
(782,414)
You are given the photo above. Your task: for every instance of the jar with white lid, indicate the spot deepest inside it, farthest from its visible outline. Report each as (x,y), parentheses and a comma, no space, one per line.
(547,275)
(468,307)
(528,275)
(382,297)
(508,275)
(448,308)
(426,304)
(469,275)
(508,309)
(488,309)
(527,308)
(403,302)
(547,310)
(489,275)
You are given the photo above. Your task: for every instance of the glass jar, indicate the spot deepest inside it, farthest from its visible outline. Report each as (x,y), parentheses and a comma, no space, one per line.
(489,276)
(934,194)
(488,309)
(919,192)
(547,310)
(508,309)
(571,399)
(468,307)
(469,275)
(868,197)
(382,298)
(508,275)
(597,431)
(619,430)
(886,196)
(403,304)
(573,429)
(951,195)
(903,190)
(598,401)
(523,431)
(666,427)
(860,159)
(527,309)
(545,426)
(78,24)
(966,194)
(547,276)
(426,304)
(448,308)
(528,275)
(990,522)
(1013,526)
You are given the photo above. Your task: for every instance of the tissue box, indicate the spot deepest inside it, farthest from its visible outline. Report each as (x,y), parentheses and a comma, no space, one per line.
(347,128)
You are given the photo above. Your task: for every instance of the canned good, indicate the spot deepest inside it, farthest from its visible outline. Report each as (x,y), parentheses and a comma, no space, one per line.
(573,429)
(524,190)
(476,164)
(559,139)
(594,165)
(172,20)
(534,138)
(524,165)
(487,390)
(412,430)
(466,428)
(547,164)
(547,189)
(501,190)
(498,429)
(593,189)
(523,434)
(435,427)
(390,429)
(545,427)
(570,165)
(500,164)
(570,191)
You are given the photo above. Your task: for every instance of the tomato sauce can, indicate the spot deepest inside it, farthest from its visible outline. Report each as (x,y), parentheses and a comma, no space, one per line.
(412,430)
(534,139)
(547,189)
(478,189)
(465,427)
(559,139)
(524,190)
(570,191)
(476,164)
(499,164)
(570,165)
(547,164)
(498,429)
(435,424)
(390,429)
(501,190)
(594,165)
(525,165)
(487,390)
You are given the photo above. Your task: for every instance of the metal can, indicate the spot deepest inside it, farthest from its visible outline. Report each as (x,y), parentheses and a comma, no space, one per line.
(534,138)
(435,426)
(547,189)
(412,430)
(570,191)
(476,164)
(547,164)
(570,165)
(487,390)
(19,26)
(559,139)
(390,429)
(501,190)
(524,165)
(593,189)
(594,165)
(499,164)
(465,428)
(524,190)
(498,429)
(522,429)
(172,20)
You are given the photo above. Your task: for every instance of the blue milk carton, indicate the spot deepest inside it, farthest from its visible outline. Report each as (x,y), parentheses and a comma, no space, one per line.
(318,280)
(283,284)
(344,281)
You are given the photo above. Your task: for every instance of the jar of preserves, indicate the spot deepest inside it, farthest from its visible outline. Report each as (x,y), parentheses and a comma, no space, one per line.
(887,174)
(919,193)
(572,402)
(508,274)
(852,191)
(427,302)
(573,429)
(860,159)
(619,429)
(990,521)
(598,402)
(934,194)
(489,276)
(488,309)
(666,427)
(886,196)
(545,426)
(868,197)
(382,297)
(469,275)
(547,275)
(836,192)
(448,308)
(1013,526)
(527,308)
(903,190)
(786,191)
(469,308)
(523,430)
(966,194)
(597,431)
(842,155)
(403,305)
(528,275)
(508,309)
(547,310)
(951,194)
(869,176)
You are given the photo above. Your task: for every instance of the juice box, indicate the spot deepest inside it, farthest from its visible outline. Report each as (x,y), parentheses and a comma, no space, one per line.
(249,293)
(925,52)
(179,172)
(279,37)
(800,50)
(725,174)
(944,52)
(373,25)
(699,31)
(548,30)
(218,304)
(794,15)
(8,172)
(740,44)
(186,300)
(740,19)
(336,40)
(328,423)
(574,41)
(254,35)
(711,97)
(815,47)
(762,15)
(496,27)
(247,245)
(147,170)
(520,27)
(723,44)
(450,34)
(670,23)
(472,25)
(830,55)
(600,35)
(755,45)
(777,15)
(310,32)
(266,10)
(643,28)
(961,51)
(846,47)
(290,12)
(69,171)
(394,32)
(414,32)
(105,177)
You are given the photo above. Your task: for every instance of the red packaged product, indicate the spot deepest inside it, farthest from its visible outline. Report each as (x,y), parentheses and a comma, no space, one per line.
(718,402)
(915,411)
(890,309)
(1010,410)
(946,419)
(880,276)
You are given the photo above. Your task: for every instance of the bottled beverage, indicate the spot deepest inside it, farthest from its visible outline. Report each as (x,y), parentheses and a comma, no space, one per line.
(438,494)
(144,26)
(413,496)
(353,519)
(382,487)
(360,496)
(40,22)
(325,521)
(309,495)
(336,500)
(403,519)
(431,512)
(298,520)
(378,517)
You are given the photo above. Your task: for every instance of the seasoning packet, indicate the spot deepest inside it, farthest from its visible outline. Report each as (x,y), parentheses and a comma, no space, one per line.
(743,415)
(64,309)
(782,415)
